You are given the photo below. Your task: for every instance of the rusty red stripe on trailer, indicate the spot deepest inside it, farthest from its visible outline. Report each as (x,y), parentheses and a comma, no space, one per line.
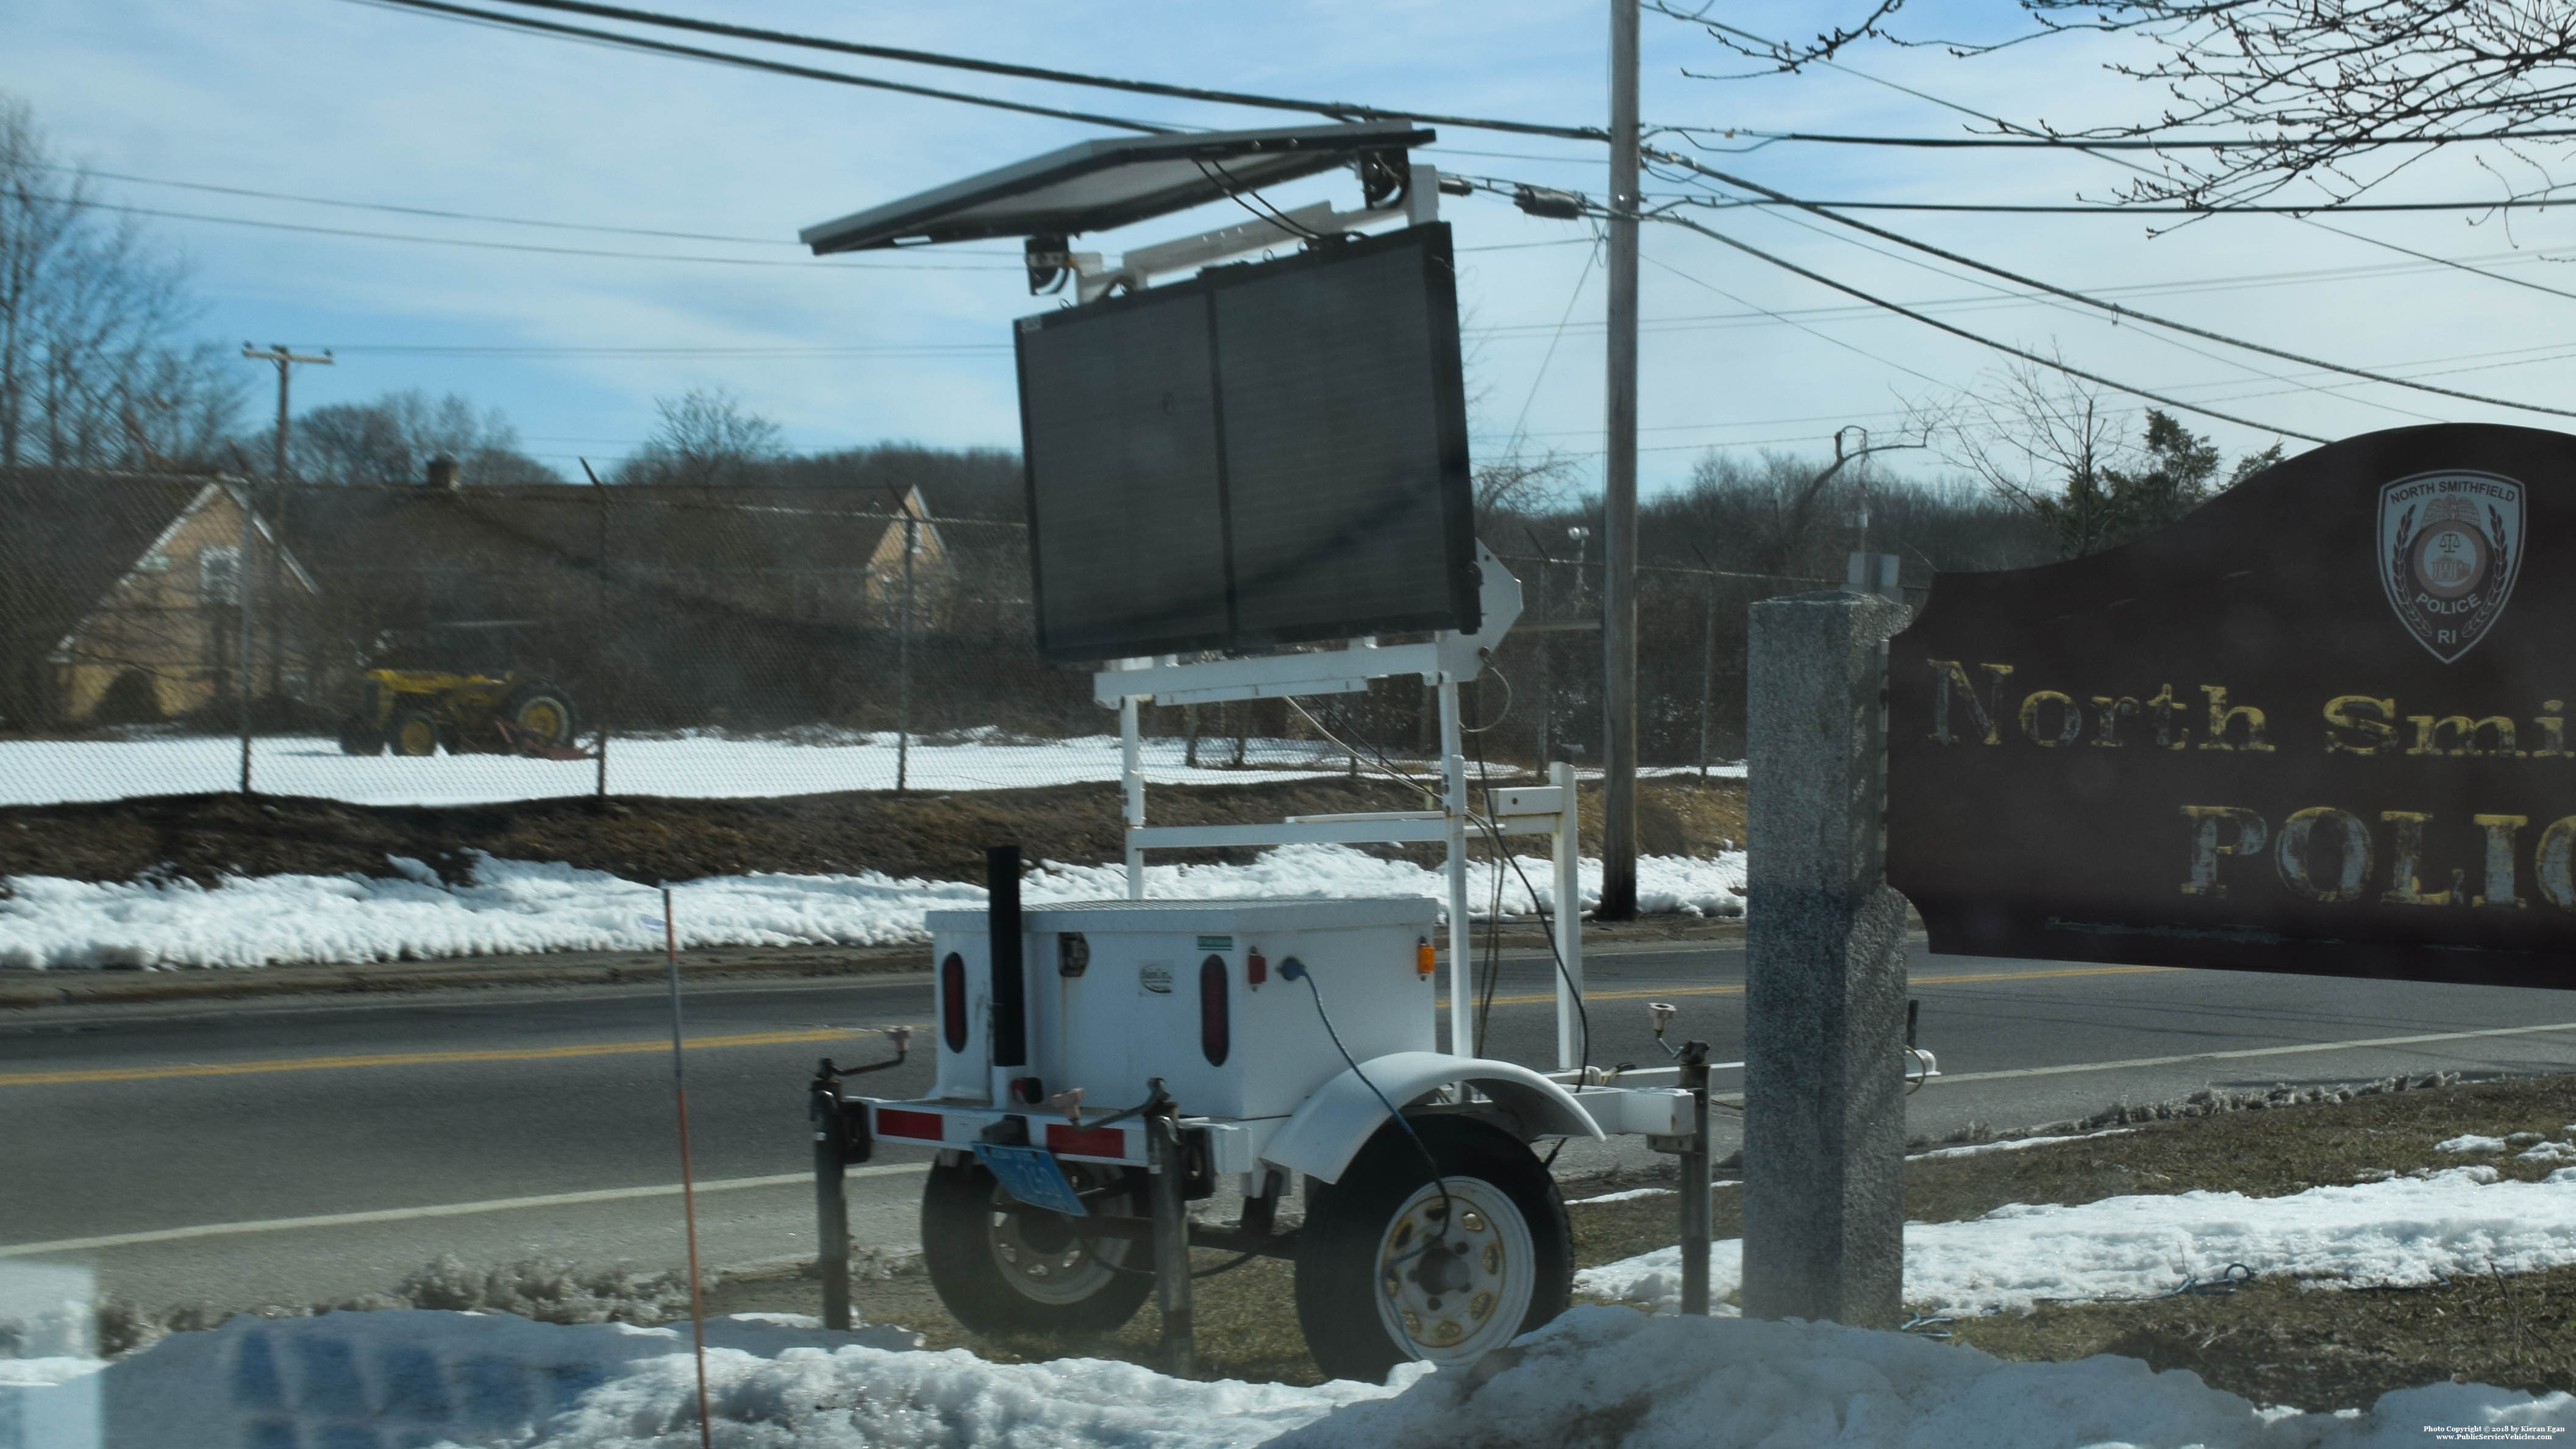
(1110,1142)
(915,1126)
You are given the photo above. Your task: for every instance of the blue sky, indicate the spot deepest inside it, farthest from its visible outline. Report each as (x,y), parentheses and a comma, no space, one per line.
(332,99)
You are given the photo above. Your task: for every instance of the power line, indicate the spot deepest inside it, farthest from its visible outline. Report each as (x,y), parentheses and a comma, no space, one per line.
(1982,341)
(1339,110)
(2096,152)
(2116,310)
(718,57)
(2542,203)
(496,246)
(2081,143)
(765,241)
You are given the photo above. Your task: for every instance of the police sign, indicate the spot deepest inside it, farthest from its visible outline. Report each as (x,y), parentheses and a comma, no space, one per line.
(2319,725)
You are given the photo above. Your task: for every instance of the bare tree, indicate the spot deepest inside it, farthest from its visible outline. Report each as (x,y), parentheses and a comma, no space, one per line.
(90,371)
(2340,94)
(392,439)
(706,437)
(2051,445)
(1521,485)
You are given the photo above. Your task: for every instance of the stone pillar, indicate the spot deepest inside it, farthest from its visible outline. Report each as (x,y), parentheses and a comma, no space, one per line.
(1824,1088)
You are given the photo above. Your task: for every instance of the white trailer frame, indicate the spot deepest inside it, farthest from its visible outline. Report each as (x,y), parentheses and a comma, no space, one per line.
(1449,660)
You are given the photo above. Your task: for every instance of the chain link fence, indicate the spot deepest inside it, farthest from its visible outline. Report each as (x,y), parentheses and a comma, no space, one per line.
(182,635)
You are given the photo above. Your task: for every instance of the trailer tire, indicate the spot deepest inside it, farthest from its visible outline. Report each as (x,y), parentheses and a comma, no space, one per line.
(1005,1268)
(1509,1271)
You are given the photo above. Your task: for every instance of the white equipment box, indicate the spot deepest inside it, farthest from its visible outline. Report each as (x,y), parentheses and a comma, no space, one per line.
(1118,989)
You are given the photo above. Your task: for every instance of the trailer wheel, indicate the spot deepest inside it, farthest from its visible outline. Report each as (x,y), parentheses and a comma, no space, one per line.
(1378,1280)
(1003,1267)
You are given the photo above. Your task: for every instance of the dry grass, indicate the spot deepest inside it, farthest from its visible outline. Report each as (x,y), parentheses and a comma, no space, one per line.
(2270,1341)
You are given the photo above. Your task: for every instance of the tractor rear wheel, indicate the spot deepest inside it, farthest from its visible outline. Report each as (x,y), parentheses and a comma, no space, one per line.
(414,733)
(1390,1268)
(1004,1267)
(360,736)
(542,714)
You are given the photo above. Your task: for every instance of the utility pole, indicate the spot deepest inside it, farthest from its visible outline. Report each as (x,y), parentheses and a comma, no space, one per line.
(286,359)
(1619,491)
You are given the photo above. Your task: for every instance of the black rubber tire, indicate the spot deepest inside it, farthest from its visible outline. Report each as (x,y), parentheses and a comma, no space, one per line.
(556,724)
(1337,1273)
(359,736)
(404,735)
(966,1220)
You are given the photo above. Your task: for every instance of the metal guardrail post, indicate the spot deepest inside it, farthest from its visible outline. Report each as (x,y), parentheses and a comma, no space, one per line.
(1171,1188)
(1694,1173)
(831,1201)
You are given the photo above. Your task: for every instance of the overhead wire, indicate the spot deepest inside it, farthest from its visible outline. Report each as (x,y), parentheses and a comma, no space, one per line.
(1343,110)
(501,246)
(2057,364)
(2046,299)
(747,62)
(2117,310)
(2098,153)
(766,241)
(2027,140)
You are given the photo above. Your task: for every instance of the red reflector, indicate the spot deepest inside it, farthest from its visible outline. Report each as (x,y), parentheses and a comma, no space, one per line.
(1087,1141)
(919,1126)
(952,1002)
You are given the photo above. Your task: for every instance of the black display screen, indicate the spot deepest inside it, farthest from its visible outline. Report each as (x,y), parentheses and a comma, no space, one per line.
(1265,454)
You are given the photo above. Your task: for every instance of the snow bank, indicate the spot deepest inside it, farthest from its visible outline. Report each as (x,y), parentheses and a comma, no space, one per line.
(417,1377)
(2404,1232)
(1596,1377)
(689,765)
(1609,1377)
(525,906)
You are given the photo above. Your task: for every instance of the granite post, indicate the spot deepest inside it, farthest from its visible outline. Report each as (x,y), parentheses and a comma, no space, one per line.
(1824,1088)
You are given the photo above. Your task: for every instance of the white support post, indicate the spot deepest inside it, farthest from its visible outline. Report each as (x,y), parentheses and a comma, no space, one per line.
(1131,774)
(1568,920)
(1453,803)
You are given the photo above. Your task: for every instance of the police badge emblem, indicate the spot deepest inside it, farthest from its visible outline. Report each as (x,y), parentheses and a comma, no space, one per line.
(2450,548)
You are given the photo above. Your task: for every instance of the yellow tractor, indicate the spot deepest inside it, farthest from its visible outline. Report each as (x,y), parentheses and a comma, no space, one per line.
(419,711)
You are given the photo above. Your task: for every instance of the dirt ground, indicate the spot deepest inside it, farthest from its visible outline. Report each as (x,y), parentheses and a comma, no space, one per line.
(207,837)
(2274,1341)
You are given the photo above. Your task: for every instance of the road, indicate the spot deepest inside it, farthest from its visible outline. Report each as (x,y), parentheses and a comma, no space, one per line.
(306,1151)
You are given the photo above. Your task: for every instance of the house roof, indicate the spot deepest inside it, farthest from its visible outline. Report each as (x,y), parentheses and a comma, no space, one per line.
(69,535)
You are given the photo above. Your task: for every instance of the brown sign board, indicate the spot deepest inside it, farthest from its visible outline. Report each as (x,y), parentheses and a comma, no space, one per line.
(2319,725)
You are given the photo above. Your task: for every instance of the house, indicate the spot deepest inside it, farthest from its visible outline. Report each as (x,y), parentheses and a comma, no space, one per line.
(933,572)
(120,599)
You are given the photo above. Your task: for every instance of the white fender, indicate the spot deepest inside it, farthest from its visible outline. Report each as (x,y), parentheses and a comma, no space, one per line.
(1327,1130)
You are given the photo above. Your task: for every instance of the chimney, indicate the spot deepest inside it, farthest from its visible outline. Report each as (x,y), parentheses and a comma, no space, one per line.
(442,473)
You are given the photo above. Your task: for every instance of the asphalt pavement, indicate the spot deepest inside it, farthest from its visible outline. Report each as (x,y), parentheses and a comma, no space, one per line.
(303,1150)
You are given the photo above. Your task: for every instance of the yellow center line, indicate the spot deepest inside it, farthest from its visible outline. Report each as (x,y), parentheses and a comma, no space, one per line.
(69,1075)
(412,1059)
(1737,989)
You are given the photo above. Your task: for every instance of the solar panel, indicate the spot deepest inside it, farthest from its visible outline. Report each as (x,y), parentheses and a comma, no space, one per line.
(1267,454)
(1097,185)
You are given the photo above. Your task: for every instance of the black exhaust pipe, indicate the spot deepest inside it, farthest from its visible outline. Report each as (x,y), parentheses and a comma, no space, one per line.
(1010,978)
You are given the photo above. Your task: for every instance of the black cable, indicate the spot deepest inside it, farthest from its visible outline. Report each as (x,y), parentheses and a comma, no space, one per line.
(1235,192)
(718,57)
(1293,969)
(2116,310)
(1338,110)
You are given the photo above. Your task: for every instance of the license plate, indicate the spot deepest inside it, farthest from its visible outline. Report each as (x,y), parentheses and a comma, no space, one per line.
(1032,1175)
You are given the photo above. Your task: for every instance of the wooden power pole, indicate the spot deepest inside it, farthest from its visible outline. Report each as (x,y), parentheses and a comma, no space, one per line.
(1619,491)
(286,359)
